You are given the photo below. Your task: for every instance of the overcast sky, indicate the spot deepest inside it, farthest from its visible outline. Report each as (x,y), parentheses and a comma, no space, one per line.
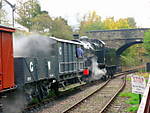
(74,9)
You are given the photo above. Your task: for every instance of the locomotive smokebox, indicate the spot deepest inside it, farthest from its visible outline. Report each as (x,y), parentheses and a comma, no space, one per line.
(76,36)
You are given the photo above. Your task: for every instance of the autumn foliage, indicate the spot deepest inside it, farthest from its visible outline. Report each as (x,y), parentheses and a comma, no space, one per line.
(94,22)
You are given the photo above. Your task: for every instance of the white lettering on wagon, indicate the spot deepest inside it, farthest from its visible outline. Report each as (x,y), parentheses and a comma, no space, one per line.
(31,67)
(49,65)
(28,78)
(51,75)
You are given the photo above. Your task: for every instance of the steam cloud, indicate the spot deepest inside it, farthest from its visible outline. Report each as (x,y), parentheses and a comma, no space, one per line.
(96,72)
(14,102)
(33,45)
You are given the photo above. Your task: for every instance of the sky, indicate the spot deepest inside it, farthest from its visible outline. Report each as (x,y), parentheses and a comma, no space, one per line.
(73,10)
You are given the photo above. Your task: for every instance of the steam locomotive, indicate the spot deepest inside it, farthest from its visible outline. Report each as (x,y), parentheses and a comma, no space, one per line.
(32,72)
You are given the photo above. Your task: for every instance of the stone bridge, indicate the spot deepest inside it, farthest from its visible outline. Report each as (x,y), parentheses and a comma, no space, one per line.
(118,38)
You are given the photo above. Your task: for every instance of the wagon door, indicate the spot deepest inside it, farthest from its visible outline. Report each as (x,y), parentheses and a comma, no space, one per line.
(7,60)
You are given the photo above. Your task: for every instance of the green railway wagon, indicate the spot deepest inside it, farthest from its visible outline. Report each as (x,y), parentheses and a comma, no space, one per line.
(68,62)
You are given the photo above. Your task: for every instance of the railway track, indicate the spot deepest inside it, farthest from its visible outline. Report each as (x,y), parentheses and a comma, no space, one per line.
(104,109)
(44,104)
(47,102)
(98,100)
(59,106)
(67,93)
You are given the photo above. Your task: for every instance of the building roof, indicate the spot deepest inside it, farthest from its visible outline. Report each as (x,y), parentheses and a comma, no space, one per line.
(6,28)
(66,41)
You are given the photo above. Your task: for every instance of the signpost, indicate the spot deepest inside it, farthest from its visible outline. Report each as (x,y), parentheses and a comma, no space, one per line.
(144,105)
(138,85)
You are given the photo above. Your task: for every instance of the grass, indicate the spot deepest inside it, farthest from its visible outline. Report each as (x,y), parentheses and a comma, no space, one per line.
(133,108)
(51,94)
(34,101)
(133,100)
(128,78)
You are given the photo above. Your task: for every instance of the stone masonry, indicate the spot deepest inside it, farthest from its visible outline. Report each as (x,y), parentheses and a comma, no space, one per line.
(110,37)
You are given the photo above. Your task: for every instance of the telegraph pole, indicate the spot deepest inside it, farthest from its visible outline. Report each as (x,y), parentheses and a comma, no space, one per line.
(0,10)
(13,10)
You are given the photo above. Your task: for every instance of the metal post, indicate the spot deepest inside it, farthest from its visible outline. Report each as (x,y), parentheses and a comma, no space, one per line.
(13,9)
(1,4)
(140,97)
(0,9)
(13,17)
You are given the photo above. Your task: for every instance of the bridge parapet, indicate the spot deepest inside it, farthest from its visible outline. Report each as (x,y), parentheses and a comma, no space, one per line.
(118,34)
(117,38)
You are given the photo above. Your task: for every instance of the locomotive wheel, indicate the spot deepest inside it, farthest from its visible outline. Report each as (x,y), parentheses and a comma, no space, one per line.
(29,96)
(38,91)
(108,77)
(31,93)
(39,94)
(54,87)
(104,78)
(42,92)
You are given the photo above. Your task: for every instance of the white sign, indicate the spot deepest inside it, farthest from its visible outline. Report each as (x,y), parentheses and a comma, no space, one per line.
(138,84)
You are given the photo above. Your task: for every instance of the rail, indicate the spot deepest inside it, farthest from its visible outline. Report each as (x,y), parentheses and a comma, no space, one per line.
(76,104)
(104,109)
(90,95)
(135,68)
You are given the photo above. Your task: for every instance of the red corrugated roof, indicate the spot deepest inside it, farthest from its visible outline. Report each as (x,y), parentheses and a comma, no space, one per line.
(7,29)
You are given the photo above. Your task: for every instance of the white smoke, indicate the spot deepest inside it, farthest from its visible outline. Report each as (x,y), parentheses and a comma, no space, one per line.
(14,102)
(96,72)
(32,45)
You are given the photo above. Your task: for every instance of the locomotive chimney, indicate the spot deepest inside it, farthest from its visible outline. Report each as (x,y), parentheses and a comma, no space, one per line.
(76,36)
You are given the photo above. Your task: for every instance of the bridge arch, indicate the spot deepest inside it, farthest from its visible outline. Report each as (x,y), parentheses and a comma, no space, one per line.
(125,46)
